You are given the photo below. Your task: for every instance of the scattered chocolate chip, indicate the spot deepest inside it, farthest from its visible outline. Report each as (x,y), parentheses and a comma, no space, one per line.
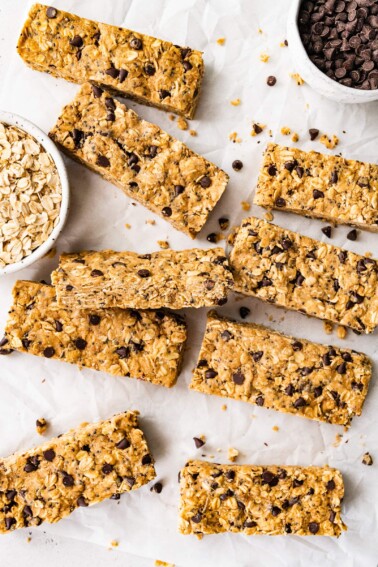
(352,234)
(123,352)
(271,81)
(257,355)
(135,43)
(69,287)
(94,319)
(332,516)
(76,41)
(209,284)
(244,312)
(313,527)
(49,352)
(102,161)
(212,237)
(209,374)
(343,255)
(237,165)
(238,378)
(280,202)
(26,343)
(223,223)
(82,502)
(149,69)
(179,189)
(314,133)
(107,468)
(51,13)
(327,230)
(286,243)
(272,170)
(299,403)
(334,177)
(9,522)
(112,72)
(249,524)
(130,480)
(187,65)
(31,464)
(330,485)
(68,479)
(144,273)
(341,368)
(167,212)
(297,345)
(123,444)
(289,390)
(289,165)
(198,442)
(163,94)
(306,370)
(157,487)
(11,494)
(122,75)
(259,401)
(49,455)
(115,496)
(205,182)
(317,194)
(297,482)
(230,475)
(80,344)
(146,459)
(97,92)
(197,518)
(27,512)
(367,459)
(276,510)
(226,335)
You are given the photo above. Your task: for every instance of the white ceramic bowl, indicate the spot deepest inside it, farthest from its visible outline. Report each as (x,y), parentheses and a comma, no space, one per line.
(50,147)
(312,75)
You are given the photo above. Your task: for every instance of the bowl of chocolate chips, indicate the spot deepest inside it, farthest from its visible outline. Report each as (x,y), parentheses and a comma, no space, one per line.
(334,45)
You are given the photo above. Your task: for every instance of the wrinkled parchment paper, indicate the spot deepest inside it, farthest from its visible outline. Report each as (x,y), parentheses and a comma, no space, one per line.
(145,523)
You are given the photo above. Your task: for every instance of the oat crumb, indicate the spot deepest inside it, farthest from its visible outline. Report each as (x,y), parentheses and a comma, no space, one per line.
(328,327)
(235,102)
(368,254)
(224,407)
(297,78)
(234,138)
(260,31)
(221,41)
(182,123)
(338,440)
(264,57)
(150,221)
(193,132)
(284,43)
(51,253)
(128,226)
(114,543)
(245,205)
(28,539)
(257,128)
(295,137)
(172,117)
(341,332)
(232,454)
(41,425)
(328,142)
(367,459)
(275,428)
(163,244)
(285,131)
(268,216)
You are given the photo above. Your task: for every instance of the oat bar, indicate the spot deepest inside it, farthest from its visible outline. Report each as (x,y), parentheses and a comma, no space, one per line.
(319,186)
(130,64)
(145,162)
(80,468)
(249,362)
(271,500)
(297,272)
(141,344)
(175,279)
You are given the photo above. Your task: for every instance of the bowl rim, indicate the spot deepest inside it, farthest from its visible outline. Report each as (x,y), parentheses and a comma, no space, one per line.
(363,95)
(13,119)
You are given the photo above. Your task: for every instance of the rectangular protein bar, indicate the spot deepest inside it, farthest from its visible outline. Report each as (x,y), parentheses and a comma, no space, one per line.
(300,273)
(319,186)
(254,364)
(141,344)
(170,278)
(145,162)
(253,499)
(137,66)
(80,468)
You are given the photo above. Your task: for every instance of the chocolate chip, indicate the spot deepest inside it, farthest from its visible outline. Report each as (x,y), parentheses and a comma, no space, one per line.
(280,202)
(352,234)
(164,94)
(226,335)
(187,65)
(306,370)
(197,518)
(51,13)
(167,212)
(49,352)
(300,403)
(9,522)
(49,455)
(11,494)
(130,480)
(31,464)
(271,81)
(209,284)
(69,287)
(276,511)
(149,69)
(313,527)
(146,459)
(136,43)
(330,485)
(112,72)
(244,312)
(249,524)
(259,401)
(123,444)
(97,92)
(286,243)
(332,516)
(237,165)
(102,161)
(107,468)
(230,474)
(267,477)
(82,502)
(257,129)
(327,230)
(238,378)
(94,319)
(209,374)
(205,182)
(122,75)
(26,343)
(297,345)
(144,273)
(80,344)
(198,442)
(341,368)
(297,482)
(334,177)
(178,189)
(289,390)
(272,170)
(289,165)
(68,479)
(314,133)
(76,41)
(317,194)
(228,494)
(212,237)
(27,512)
(123,352)
(157,487)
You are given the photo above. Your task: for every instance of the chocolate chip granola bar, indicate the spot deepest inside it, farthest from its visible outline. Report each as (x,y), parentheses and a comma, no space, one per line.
(80,468)
(175,279)
(254,499)
(145,162)
(141,344)
(297,272)
(130,64)
(249,362)
(320,186)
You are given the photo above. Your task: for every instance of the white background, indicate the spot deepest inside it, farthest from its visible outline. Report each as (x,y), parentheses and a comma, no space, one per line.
(145,524)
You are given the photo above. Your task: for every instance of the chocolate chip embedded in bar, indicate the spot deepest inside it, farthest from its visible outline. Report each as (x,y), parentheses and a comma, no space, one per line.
(174,279)
(131,64)
(80,468)
(238,360)
(319,186)
(145,162)
(141,344)
(256,500)
(297,272)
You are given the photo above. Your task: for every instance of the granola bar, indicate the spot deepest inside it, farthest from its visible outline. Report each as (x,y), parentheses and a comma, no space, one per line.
(175,279)
(271,500)
(249,362)
(130,64)
(319,186)
(297,272)
(145,162)
(80,468)
(141,344)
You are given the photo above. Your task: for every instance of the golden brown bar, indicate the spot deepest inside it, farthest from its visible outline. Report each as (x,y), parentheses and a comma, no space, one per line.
(321,186)
(253,499)
(254,364)
(80,468)
(131,64)
(145,162)
(297,272)
(141,344)
(170,278)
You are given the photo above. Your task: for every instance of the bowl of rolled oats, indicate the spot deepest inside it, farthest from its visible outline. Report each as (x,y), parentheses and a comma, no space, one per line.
(34,193)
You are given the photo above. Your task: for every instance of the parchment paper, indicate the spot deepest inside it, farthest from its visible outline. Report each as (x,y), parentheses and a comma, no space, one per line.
(145,523)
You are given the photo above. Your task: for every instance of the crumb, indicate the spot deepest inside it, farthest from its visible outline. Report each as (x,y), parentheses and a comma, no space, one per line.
(284,43)
(41,425)
(285,131)
(128,226)
(221,41)
(275,428)
(295,137)
(114,543)
(257,129)
(199,441)
(367,459)
(28,539)
(224,223)
(234,138)
(264,57)
(368,254)
(163,244)
(245,205)
(338,440)
(182,123)
(172,117)
(157,487)
(232,454)
(268,216)
(193,132)
(341,332)
(297,78)
(150,221)
(328,142)
(224,407)
(235,102)
(260,30)
(327,327)
(51,253)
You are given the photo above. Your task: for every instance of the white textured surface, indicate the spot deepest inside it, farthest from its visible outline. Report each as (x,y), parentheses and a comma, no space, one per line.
(145,523)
